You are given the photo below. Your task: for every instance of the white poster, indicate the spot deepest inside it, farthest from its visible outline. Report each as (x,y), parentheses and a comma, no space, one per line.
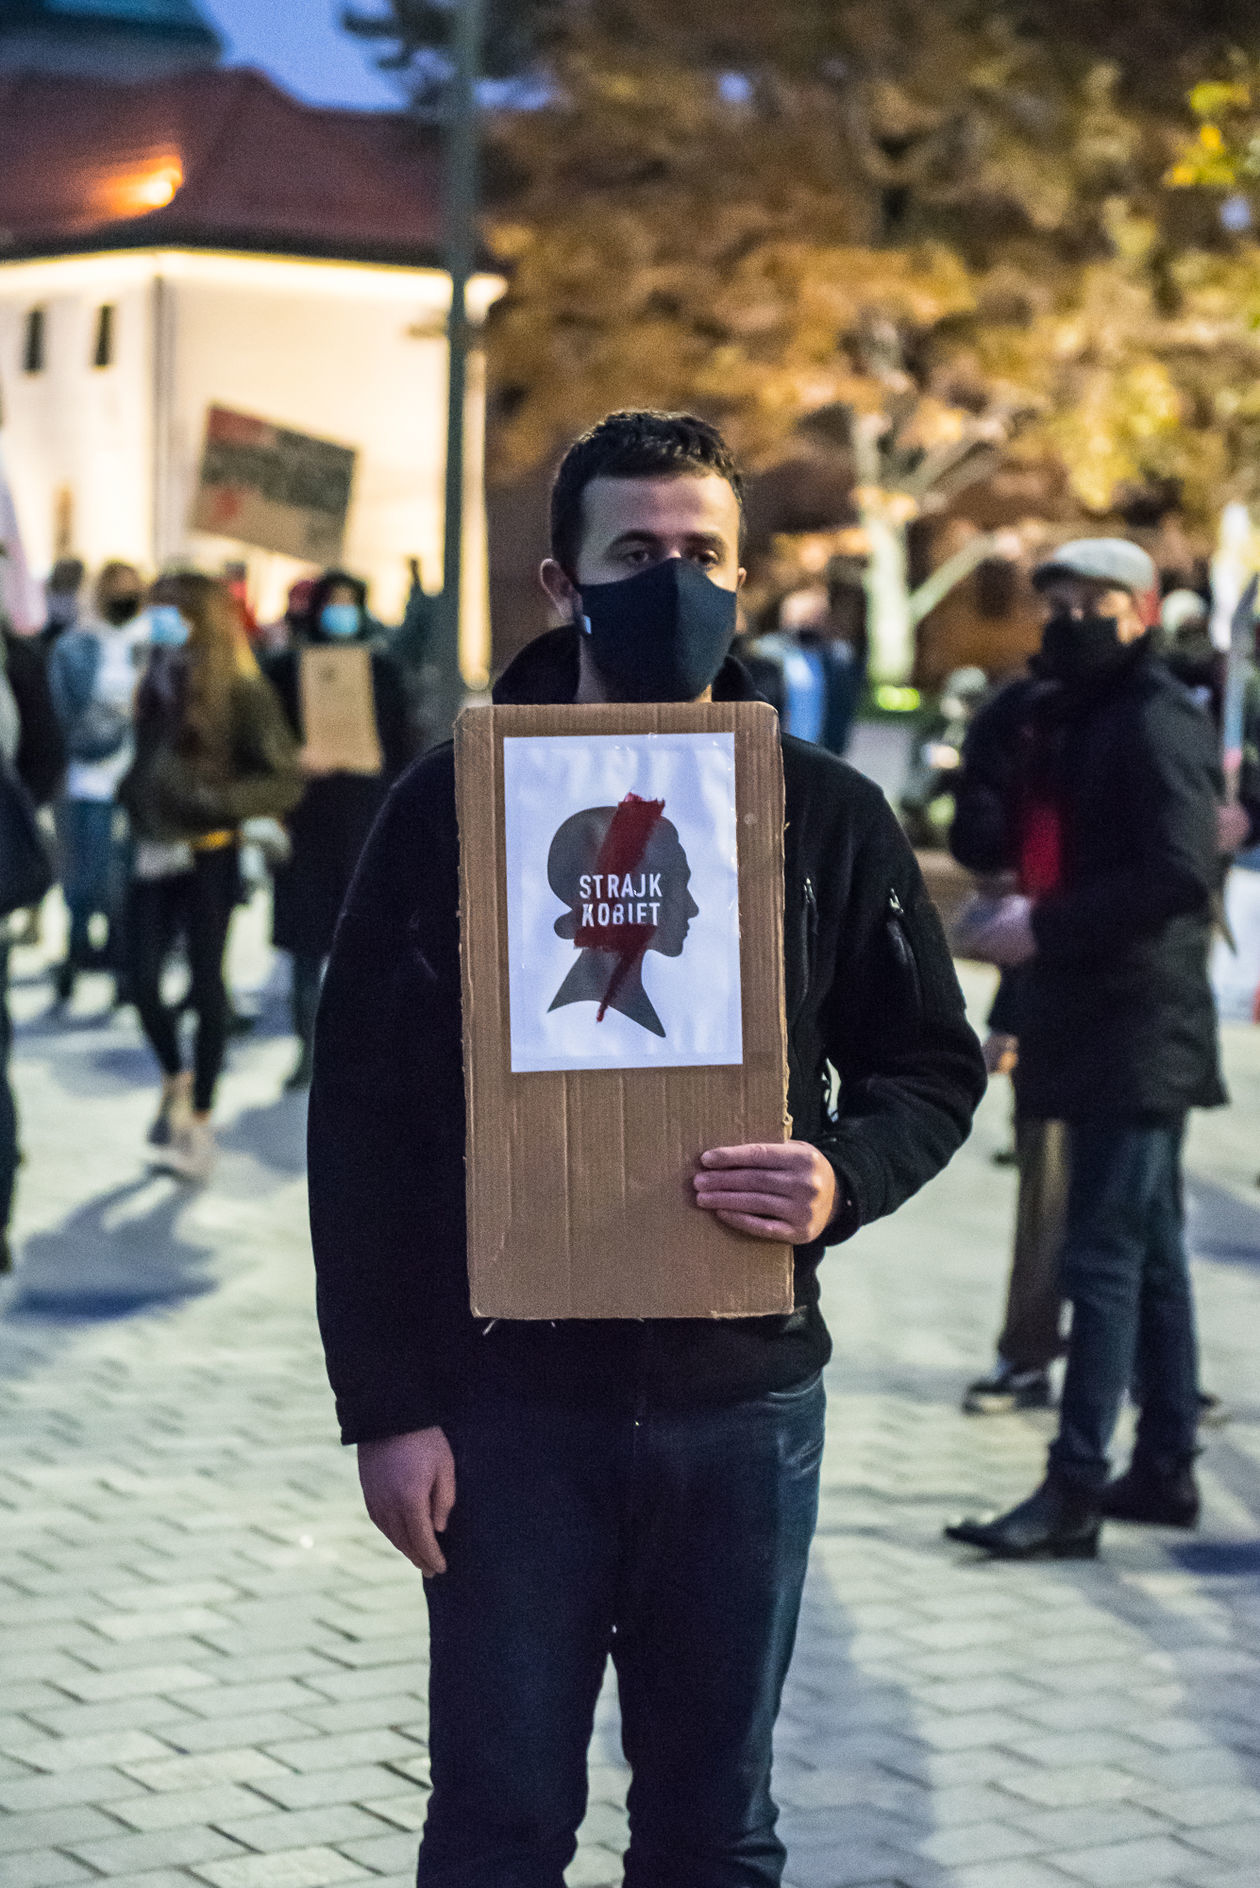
(622,901)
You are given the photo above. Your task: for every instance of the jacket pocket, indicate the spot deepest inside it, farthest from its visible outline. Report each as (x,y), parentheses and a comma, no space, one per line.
(907,982)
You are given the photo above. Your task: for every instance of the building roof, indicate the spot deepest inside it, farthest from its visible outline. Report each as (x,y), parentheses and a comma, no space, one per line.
(208,158)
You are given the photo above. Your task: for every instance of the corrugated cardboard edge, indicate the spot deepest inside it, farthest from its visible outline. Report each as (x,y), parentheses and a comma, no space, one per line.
(767,1266)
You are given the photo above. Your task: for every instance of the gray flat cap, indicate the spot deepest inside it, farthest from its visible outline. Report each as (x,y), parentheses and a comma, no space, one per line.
(1113,561)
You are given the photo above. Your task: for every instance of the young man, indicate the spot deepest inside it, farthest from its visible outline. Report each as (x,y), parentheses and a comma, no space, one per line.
(1097,785)
(644,1488)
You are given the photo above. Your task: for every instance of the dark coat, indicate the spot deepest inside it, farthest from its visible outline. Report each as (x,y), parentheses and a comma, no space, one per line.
(1115,1012)
(870,989)
(41,754)
(332,820)
(179,789)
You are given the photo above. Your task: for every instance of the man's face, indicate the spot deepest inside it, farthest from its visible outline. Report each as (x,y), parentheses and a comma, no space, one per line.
(1082,596)
(630,524)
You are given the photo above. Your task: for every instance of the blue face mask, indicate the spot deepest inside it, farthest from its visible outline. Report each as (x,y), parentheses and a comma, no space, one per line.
(339,619)
(168,628)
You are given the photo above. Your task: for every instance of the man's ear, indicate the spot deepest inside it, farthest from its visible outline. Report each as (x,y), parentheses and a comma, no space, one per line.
(560,589)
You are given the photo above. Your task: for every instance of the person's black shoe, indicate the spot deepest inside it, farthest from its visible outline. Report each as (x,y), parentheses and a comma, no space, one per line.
(1006,1389)
(1154,1494)
(1058,1522)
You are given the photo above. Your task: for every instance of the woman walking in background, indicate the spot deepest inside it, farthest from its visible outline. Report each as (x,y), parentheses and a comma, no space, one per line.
(212,750)
(334,818)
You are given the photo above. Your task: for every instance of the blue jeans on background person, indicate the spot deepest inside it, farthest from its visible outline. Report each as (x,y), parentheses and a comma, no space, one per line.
(1126,1274)
(675,1540)
(89,872)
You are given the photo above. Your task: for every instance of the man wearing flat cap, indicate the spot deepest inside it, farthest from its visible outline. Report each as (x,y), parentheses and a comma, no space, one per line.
(1092,785)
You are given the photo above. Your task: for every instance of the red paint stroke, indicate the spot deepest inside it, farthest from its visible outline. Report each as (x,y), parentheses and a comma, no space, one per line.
(629,831)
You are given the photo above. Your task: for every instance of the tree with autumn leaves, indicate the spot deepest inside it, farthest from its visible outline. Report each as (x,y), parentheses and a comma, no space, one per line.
(924,236)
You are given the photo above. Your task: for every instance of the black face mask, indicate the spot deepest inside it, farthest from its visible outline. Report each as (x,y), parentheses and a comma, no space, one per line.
(661,635)
(1078,650)
(120,610)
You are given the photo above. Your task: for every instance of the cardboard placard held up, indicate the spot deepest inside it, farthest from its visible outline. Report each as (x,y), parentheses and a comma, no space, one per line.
(339,709)
(267,485)
(621,926)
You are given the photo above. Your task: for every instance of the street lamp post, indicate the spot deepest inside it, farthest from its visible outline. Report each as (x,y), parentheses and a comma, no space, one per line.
(461,195)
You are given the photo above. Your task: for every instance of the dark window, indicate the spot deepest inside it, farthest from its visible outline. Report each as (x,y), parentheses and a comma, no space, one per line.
(33,353)
(104,355)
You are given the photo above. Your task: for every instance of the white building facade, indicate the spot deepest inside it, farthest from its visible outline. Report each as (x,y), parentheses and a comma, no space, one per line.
(109,362)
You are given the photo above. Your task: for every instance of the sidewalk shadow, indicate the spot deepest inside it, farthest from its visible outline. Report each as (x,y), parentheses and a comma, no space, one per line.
(1219,1225)
(106,1262)
(274,1134)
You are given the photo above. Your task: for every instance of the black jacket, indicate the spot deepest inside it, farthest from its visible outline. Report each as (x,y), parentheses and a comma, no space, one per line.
(870,988)
(41,754)
(1115,1012)
(331,822)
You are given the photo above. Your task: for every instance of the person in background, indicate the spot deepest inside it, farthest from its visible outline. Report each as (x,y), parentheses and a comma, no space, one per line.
(285,631)
(329,827)
(31,742)
(62,595)
(92,671)
(213,749)
(810,673)
(1102,802)
(412,648)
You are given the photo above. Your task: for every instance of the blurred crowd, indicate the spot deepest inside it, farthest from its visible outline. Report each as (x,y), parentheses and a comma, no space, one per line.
(155,759)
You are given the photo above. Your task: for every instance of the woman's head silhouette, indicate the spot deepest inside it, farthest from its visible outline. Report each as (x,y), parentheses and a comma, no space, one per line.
(624,876)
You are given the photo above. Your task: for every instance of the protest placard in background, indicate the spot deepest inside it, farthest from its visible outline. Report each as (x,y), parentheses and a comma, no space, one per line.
(339,709)
(585,1130)
(267,485)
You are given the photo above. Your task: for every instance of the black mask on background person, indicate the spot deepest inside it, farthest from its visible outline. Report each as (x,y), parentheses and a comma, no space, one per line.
(120,610)
(1078,650)
(661,635)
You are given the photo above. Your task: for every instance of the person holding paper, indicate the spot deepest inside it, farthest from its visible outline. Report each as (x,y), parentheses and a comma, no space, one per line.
(338,678)
(1094,782)
(643,1486)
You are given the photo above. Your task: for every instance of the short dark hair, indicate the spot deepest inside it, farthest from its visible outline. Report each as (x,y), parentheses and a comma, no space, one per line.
(639,444)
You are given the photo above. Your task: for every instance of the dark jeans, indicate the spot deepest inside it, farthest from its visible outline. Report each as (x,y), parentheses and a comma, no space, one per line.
(90,873)
(196,906)
(676,1540)
(1030,1337)
(8,1112)
(1126,1274)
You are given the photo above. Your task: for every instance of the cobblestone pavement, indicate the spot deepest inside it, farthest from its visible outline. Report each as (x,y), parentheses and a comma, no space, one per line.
(212,1671)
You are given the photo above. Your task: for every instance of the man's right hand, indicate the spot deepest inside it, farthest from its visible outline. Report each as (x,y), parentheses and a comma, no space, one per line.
(408,1484)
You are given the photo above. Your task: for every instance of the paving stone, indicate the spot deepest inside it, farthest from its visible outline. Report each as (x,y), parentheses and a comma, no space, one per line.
(43,1868)
(53,1788)
(291,1868)
(156,1849)
(303,1828)
(241,1765)
(1154,1858)
(217,1803)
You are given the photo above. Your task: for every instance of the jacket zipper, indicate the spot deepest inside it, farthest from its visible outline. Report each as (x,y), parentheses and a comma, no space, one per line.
(809,943)
(903,952)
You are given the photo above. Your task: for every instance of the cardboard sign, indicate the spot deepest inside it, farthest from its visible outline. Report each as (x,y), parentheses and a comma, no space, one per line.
(269,486)
(621,908)
(339,709)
